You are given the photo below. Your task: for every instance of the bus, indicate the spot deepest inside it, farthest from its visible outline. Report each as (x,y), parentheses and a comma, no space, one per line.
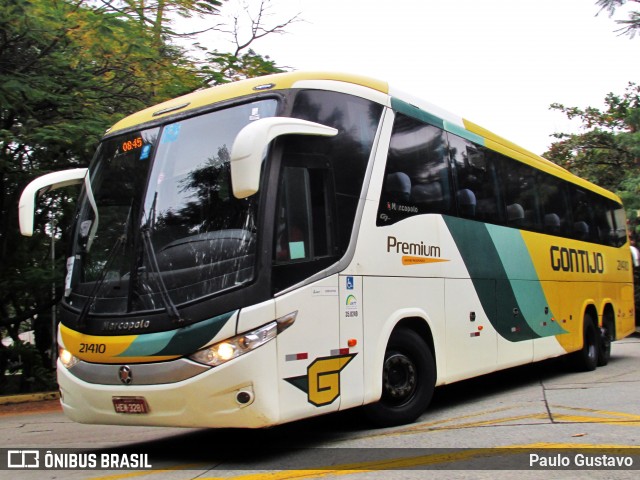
(292,245)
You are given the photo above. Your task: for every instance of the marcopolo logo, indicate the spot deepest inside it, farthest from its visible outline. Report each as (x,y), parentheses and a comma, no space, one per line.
(414,253)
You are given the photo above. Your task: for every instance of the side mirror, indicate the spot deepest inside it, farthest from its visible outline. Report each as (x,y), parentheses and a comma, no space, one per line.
(248,148)
(50,181)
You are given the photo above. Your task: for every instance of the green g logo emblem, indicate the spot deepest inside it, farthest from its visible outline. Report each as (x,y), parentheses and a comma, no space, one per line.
(322,381)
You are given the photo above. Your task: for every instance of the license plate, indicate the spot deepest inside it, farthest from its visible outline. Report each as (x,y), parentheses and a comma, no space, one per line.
(130,405)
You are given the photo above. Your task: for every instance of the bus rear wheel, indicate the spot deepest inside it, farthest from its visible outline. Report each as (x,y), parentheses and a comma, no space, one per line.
(586,359)
(607,335)
(408,381)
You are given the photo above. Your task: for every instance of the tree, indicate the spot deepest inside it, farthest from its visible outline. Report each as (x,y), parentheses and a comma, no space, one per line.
(155,15)
(607,152)
(68,70)
(245,29)
(631,25)
(218,67)
(66,73)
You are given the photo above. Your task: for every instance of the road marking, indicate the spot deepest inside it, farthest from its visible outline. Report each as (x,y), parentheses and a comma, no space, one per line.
(402,463)
(428,425)
(607,417)
(454,423)
(498,421)
(560,418)
(441,424)
(140,473)
(412,462)
(598,416)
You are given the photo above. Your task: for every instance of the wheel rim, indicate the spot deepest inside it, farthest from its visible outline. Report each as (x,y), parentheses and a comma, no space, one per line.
(606,337)
(399,380)
(592,346)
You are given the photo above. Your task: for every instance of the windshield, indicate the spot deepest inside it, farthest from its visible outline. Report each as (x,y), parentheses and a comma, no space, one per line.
(168,229)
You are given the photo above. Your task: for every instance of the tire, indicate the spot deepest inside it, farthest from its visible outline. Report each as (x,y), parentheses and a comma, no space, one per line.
(604,345)
(408,381)
(586,359)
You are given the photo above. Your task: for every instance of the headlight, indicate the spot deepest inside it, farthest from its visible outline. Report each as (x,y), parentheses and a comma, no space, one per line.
(67,358)
(231,348)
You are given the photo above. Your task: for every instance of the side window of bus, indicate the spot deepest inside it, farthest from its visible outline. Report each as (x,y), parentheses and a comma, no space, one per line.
(603,220)
(620,222)
(554,210)
(348,152)
(304,238)
(478,194)
(583,227)
(520,194)
(416,177)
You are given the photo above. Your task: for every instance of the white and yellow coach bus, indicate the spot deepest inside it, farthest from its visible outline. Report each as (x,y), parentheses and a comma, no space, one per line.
(293,245)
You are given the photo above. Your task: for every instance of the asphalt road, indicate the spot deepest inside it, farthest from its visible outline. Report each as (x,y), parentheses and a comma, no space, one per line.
(483,428)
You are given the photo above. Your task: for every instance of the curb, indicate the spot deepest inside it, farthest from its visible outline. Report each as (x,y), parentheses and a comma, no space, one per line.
(29,397)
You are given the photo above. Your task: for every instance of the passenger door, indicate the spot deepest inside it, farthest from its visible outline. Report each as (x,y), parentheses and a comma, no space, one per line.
(309,358)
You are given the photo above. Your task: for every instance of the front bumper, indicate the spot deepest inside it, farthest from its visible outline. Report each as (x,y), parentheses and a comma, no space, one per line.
(208,399)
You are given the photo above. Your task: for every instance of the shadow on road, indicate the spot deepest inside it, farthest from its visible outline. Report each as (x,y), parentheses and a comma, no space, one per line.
(275,445)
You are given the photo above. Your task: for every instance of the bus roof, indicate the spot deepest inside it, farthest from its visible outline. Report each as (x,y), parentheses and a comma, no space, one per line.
(228,91)
(401,101)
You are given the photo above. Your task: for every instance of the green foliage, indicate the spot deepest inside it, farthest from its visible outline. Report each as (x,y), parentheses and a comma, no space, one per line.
(607,152)
(68,70)
(22,370)
(227,67)
(154,16)
(66,73)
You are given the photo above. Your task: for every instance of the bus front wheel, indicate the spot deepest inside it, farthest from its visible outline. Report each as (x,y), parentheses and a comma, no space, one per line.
(408,381)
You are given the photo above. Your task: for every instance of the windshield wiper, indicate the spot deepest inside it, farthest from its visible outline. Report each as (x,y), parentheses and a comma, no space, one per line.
(100,281)
(169,306)
(149,249)
(120,242)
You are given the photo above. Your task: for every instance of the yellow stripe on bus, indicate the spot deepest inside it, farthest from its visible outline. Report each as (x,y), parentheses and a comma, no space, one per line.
(103,349)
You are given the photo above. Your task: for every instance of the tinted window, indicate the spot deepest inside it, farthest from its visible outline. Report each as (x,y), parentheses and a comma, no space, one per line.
(603,220)
(480,184)
(620,222)
(520,194)
(478,193)
(417,175)
(582,227)
(348,152)
(595,218)
(303,223)
(304,230)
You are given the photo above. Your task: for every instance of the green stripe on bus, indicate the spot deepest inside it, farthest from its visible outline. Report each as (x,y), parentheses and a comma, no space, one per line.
(524,281)
(148,344)
(506,284)
(464,133)
(182,341)
(415,112)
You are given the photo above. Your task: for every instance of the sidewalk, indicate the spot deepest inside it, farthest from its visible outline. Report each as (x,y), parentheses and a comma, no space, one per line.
(29,397)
